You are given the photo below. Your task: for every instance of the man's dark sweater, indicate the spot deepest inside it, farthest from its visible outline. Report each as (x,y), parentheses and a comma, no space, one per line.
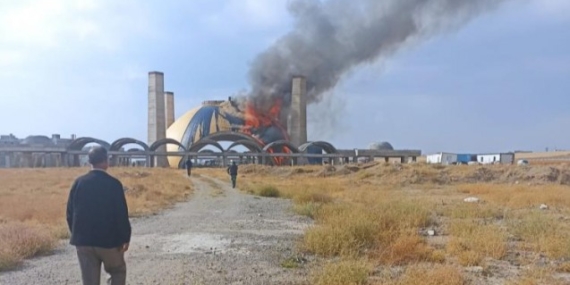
(97,212)
(233,169)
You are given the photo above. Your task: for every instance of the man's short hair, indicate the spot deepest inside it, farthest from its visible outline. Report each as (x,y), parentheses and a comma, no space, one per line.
(97,155)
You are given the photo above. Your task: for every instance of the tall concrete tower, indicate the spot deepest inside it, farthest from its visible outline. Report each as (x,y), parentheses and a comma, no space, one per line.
(297,122)
(156,113)
(169,111)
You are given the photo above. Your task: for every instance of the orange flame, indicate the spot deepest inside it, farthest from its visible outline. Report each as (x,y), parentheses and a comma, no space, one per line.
(255,119)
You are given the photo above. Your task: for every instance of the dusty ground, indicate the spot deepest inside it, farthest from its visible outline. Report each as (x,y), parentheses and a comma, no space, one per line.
(219,236)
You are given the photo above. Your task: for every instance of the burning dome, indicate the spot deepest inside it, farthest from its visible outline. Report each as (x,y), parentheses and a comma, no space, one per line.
(223,116)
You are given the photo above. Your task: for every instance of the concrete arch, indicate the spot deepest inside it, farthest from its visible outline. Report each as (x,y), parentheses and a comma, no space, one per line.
(159,143)
(118,144)
(116,160)
(79,143)
(327,147)
(287,144)
(153,147)
(199,145)
(250,145)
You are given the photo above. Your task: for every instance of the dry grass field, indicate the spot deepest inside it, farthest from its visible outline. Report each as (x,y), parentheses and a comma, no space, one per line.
(33,203)
(378,224)
(391,224)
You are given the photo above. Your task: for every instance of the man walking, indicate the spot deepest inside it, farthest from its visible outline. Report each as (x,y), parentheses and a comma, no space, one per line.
(233,171)
(98,218)
(188,165)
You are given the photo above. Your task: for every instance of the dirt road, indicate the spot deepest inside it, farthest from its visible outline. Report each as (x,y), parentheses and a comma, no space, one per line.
(220,236)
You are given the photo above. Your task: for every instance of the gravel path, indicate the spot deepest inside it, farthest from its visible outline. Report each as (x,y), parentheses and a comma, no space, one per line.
(220,236)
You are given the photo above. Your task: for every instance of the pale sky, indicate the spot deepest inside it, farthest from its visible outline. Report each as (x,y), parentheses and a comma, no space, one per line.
(500,83)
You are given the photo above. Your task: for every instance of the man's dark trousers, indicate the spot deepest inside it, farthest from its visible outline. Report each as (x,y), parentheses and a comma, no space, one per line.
(234,178)
(90,259)
(188,170)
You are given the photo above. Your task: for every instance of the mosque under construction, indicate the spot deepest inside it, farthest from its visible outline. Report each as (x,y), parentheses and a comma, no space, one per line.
(276,135)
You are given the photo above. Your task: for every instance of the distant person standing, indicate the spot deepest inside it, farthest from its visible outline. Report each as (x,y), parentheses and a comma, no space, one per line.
(98,218)
(233,172)
(188,164)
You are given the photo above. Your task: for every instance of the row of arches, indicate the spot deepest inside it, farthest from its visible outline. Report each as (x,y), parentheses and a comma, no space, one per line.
(213,140)
(80,143)
(238,139)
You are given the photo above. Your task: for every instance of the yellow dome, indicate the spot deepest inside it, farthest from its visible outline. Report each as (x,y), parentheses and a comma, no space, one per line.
(208,119)
(196,124)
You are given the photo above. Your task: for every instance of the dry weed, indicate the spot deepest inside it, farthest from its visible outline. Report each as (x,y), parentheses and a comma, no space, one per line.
(348,272)
(472,242)
(520,196)
(352,229)
(475,211)
(344,230)
(29,197)
(543,233)
(537,276)
(409,249)
(425,274)
(268,191)
(19,241)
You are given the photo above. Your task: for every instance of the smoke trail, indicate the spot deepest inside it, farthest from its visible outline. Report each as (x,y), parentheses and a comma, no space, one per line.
(332,37)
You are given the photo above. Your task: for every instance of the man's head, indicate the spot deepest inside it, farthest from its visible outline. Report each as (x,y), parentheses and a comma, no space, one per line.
(233,162)
(98,157)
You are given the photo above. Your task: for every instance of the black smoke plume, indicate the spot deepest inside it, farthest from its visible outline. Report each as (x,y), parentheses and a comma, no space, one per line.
(330,38)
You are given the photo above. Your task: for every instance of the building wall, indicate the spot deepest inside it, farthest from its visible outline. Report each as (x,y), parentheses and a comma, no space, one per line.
(507,158)
(489,158)
(10,159)
(433,158)
(442,158)
(466,158)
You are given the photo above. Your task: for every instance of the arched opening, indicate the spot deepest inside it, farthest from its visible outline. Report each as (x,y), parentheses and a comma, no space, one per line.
(318,147)
(327,147)
(279,145)
(159,143)
(79,143)
(157,146)
(205,158)
(209,152)
(199,145)
(76,150)
(247,157)
(282,146)
(237,139)
(250,145)
(131,158)
(118,144)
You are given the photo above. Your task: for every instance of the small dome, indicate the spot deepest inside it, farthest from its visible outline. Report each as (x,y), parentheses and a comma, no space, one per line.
(381,146)
(43,140)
